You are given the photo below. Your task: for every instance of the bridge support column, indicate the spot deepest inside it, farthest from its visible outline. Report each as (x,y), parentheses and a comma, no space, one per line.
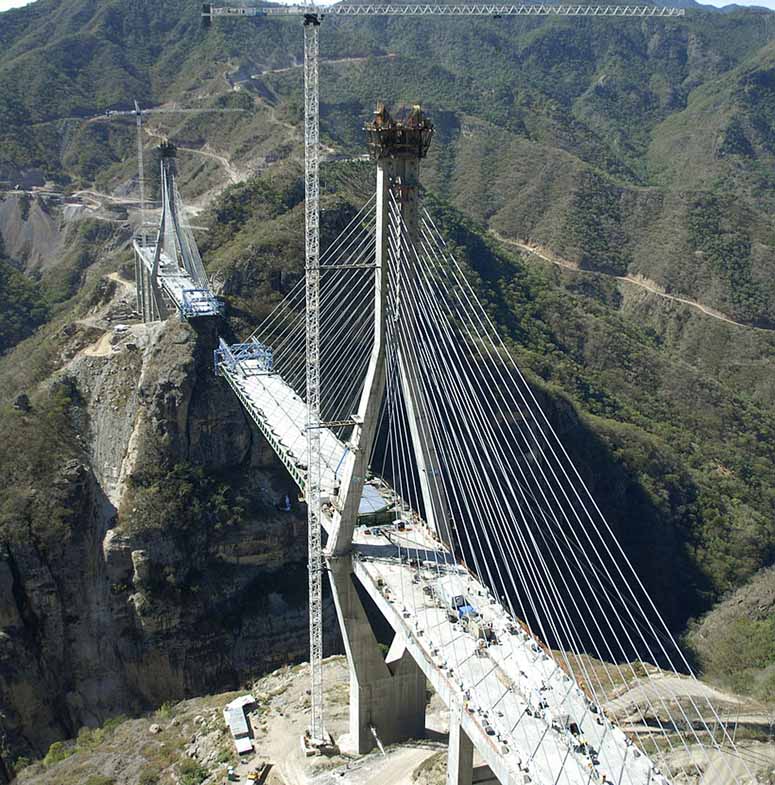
(386,693)
(139,292)
(147,297)
(460,757)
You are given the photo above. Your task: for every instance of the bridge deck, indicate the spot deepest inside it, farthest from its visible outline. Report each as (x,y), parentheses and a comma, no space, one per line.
(189,297)
(517,703)
(281,416)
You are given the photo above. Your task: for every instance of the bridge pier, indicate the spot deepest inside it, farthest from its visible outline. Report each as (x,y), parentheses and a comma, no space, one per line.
(460,756)
(386,693)
(150,303)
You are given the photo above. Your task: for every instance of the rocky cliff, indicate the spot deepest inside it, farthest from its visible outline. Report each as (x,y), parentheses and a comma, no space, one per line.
(170,571)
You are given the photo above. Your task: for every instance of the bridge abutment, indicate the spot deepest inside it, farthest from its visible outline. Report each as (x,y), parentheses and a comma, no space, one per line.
(386,693)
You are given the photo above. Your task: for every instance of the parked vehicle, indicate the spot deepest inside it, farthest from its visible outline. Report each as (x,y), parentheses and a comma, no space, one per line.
(451,594)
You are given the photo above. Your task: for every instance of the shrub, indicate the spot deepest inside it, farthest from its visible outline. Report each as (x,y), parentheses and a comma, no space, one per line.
(57,752)
(21,763)
(148,777)
(166,711)
(191,772)
(99,779)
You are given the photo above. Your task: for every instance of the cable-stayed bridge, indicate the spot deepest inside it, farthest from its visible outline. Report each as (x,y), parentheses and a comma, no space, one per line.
(450,504)
(169,274)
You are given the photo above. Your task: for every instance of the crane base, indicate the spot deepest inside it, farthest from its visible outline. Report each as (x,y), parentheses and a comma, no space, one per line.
(324,746)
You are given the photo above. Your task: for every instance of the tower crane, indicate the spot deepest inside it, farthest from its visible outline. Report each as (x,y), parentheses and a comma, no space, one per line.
(139,113)
(311,16)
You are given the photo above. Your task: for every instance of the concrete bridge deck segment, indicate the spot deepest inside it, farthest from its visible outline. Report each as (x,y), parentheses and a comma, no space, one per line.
(516,703)
(528,719)
(177,285)
(281,415)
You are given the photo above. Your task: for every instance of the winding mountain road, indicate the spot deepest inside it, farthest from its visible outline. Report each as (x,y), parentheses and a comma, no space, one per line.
(541,253)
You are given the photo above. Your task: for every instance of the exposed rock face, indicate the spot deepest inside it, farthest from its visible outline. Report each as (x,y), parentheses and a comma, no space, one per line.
(136,604)
(32,230)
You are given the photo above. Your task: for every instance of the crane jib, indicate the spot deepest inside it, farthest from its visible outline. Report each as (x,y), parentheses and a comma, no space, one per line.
(425,9)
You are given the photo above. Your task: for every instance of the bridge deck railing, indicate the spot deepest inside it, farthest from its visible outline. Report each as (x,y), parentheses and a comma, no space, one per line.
(229,363)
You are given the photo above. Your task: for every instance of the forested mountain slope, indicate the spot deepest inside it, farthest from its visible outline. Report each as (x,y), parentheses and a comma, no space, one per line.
(639,145)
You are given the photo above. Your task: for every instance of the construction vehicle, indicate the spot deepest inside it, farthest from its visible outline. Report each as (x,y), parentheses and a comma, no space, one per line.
(450,593)
(480,629)
(258,774)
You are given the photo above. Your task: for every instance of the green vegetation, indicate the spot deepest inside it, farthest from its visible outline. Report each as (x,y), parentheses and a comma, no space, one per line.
(734,644)
(21,763)
(594,225)
(166,711)
(40,451)
(648,403)
(694,512)
(744,657)
(86,243)
(643,148)
(191,772)
(186,494)
(98,756)
(607,142)
(728,251)
(91,738)
(22,307)
(57,752)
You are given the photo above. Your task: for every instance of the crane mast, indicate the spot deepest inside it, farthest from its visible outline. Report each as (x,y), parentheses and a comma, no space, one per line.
(311,16)
(312,272)
(140,171)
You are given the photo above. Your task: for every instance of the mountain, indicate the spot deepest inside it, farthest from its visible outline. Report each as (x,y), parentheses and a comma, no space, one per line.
(606,184)
(712,9)
(614,108)
(22,308)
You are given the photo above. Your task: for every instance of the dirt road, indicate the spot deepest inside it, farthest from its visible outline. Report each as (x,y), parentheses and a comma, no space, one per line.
(649,286)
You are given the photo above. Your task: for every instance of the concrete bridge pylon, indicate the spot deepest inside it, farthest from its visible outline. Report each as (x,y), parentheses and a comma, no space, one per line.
(388,693)
(169,274)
